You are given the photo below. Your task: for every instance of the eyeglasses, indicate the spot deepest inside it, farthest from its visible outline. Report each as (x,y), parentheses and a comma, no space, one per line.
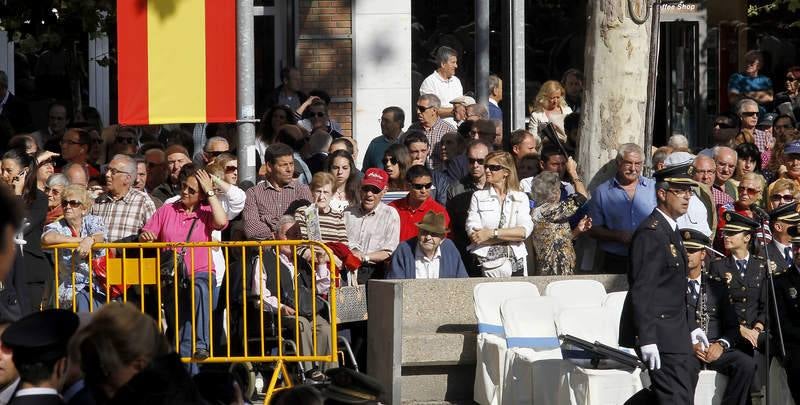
(389,161)
(749,113)
(114,171)
(418,186)
(71,203)
(478,161)
(318,114)
(495,168)
(791,79)
(681,192)
(787,198)
(231,169)
(370,189)
(748,190)
(422,108)
(704,172)
(54,191)
(125,140)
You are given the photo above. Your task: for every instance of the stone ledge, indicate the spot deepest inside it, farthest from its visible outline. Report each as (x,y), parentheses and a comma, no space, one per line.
(439,349)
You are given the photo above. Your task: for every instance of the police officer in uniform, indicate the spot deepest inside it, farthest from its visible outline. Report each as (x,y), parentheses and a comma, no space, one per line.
(787,295)
(780,249)
(708,308)
(654,318)
(745,276)
(39,347)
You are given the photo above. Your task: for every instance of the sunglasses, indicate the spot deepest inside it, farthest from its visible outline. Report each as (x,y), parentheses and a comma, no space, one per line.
(216,153)
(71,203)
(495,168)
(50,162)
(418,186)
(478,161)
(422,109)
(749,113)
(318,114)
(125,140)
(370,189)
(782,197)
(231,169)
(389,161)
(748,190)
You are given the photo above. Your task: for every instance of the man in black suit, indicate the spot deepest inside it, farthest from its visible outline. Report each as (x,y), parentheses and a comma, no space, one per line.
(780,249)
(654,314)
(787,286)
(39,346)
(708,308)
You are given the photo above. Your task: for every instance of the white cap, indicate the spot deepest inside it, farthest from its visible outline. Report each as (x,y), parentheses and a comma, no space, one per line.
(678,158)
(466,100)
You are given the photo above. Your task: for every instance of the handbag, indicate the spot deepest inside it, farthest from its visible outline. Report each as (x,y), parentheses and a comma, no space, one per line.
(497,268)
(168,266)
(351,300)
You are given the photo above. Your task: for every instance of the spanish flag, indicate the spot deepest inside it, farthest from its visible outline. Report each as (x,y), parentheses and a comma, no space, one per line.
(177,61)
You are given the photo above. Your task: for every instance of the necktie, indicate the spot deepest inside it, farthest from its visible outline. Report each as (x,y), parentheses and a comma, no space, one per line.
(787,254)
(693,291)
(742,265)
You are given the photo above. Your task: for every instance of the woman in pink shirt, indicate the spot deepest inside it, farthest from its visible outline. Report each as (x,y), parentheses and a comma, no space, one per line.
(172,223)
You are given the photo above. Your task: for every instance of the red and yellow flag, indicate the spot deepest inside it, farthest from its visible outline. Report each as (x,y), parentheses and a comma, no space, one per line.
(177,61)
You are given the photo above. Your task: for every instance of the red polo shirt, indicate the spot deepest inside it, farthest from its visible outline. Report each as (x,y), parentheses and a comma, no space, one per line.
(409,217)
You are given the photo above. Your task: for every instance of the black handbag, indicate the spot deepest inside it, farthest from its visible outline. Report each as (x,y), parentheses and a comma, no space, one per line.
(168,266)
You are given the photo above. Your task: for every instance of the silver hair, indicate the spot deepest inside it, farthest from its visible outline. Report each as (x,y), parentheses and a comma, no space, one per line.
(128,162)
(493,82)
(719,149)
(703,157)
(660,157)
(217,139)
(432,99)
(544,187)
(57,179)
(627,148)
(480,110)
(443,54)
(319,141)
(743,102)
(678,142)
(285,219)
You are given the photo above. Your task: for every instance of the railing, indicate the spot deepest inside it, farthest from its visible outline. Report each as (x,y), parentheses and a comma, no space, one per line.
(139,279)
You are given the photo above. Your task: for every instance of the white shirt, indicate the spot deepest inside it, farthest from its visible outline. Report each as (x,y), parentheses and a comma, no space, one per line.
(446,89)
(36,391)
(427,268)
(781,248)
(8,392)
(484,212)
(696,217)
(671,222)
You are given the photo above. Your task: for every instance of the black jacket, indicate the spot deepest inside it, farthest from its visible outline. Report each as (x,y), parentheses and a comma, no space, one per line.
(655,308)
(748,295)
(722,322)
(164,381)
(787,296)
(37,400)
(287,294)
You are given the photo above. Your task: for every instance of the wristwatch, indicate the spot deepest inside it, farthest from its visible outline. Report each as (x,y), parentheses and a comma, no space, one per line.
(211,193)
(494,233)
(722,343)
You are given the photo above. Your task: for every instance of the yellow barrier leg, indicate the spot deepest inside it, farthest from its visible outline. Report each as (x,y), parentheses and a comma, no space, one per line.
(280,367)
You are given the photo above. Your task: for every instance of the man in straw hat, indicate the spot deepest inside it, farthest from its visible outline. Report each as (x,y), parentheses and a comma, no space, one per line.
(430,254)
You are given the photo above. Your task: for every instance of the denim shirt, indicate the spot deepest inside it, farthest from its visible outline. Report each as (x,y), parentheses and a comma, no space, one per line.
(610,207)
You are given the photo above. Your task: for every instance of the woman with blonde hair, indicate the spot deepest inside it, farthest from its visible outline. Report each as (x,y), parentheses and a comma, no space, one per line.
(499,220)
(781,192)
(549,106)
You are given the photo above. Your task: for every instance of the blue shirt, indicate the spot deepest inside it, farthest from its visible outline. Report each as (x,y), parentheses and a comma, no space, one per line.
(373,157)
(741,84)
(610,207)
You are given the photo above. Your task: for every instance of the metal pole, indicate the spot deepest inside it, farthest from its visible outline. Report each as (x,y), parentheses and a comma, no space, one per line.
(652,81)
(482,50)
(517,79)
(245,82)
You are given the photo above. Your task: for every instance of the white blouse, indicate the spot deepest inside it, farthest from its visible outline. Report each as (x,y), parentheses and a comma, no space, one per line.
(484,212)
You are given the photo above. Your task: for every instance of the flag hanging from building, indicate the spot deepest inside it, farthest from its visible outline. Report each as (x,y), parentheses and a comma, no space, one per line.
(177,61)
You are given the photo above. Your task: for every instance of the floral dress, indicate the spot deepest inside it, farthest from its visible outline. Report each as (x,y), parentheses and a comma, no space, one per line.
(552,237)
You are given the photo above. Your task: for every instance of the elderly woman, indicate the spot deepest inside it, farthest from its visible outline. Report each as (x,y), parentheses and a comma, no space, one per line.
(54,187)
(77,226)
(348,182)
(499,220)
(549,106)
(396,161)
(750,192)
(193,218)
(781,192)
(552,237)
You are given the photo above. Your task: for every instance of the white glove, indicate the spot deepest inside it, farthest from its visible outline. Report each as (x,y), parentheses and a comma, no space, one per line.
(699,336)
(651,357)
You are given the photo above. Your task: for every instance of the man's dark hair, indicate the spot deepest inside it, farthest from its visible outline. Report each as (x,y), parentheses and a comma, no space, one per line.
(415,136)
(464,128)
(549,151)
(518,136)
(319,104)
(84,137)
(292,136)
(475,142)
(348,144)
(572,122)
(485,128)
(36,373)
(278,150)
(397,114)
(443,54)
(322,94)
(417,171)
(188,170)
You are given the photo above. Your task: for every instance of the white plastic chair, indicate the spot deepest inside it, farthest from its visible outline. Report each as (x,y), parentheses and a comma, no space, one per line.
(613,304)
(491,343)
(711,387)
(597,386)
(536,373)
(779,385)
(576,293)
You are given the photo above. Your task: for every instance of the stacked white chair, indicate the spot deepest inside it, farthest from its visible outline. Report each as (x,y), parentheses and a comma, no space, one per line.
(779,385)
(536,372)
(613,304)
(576,293)
(491,341)
(597,386)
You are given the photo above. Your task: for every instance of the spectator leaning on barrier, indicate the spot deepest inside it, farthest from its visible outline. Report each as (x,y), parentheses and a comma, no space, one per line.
(418,202)
(428,255)
(499,220)
(54,186)
(279,194)
(123,209)
(619,205)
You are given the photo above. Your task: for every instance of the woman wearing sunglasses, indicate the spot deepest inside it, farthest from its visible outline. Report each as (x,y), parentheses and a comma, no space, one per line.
(396,161)
(77,226)
(750,190)
(499,220)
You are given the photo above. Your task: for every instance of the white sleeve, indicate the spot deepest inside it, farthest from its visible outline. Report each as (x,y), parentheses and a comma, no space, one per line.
(235,198)
(473,218)
(426,87)
(523,213)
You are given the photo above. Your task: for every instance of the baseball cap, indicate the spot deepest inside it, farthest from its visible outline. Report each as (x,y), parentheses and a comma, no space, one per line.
(375,177)
(678,158)
(767,120)
(466,100)
(792,148)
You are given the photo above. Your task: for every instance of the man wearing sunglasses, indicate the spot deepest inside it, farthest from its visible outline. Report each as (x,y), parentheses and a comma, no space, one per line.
(780,220)
(214,147)
(317,117)
(747,110)
(75,148)
(430,123)
(413,207)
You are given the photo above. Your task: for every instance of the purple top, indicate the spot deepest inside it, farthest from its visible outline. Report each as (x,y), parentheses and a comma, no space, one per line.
(171,223)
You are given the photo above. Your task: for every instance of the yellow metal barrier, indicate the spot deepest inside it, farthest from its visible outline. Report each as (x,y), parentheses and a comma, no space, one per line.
(139,280)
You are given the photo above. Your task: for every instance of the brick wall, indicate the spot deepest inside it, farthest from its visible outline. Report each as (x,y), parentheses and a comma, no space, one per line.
(325,54)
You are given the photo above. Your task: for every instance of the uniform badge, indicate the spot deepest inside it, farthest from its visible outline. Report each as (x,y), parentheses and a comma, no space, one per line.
(728,278)
(687,235)
(727,216)
(792,293)
(772,267)
(674,250)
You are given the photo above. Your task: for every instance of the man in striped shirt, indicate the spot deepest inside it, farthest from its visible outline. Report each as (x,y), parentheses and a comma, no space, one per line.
(432,126)
(279,194)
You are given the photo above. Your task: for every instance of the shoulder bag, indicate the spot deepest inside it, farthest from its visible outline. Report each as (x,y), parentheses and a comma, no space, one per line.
(168,266)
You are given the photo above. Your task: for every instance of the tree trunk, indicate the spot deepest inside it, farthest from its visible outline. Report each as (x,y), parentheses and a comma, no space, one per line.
(615,95)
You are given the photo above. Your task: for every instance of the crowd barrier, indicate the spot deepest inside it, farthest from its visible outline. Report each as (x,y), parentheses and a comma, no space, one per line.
(133,274)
